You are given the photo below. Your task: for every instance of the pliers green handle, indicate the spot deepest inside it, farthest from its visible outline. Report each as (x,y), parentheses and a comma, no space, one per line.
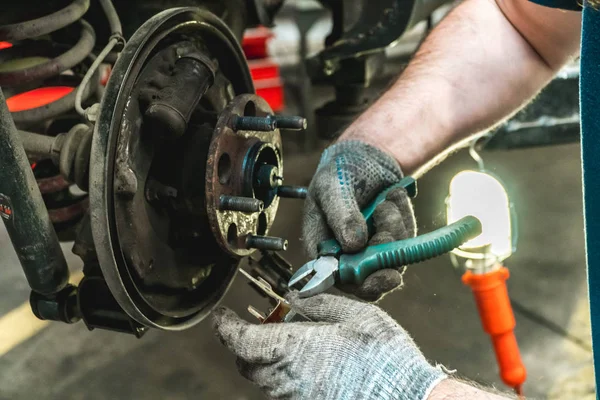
(332,266)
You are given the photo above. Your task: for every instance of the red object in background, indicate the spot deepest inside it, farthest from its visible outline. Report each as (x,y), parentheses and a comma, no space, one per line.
(263,69)
(272,94)
(105,75)
(37,98)
(265,72)
(5,45)
(267,82)
(498,321)
(255,42)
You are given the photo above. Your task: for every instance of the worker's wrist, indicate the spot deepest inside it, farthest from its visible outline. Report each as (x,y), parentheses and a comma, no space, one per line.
(407,164)
(450,389)
(412,137)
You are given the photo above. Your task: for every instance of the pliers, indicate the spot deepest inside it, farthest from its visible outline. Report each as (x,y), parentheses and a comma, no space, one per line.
(332,266)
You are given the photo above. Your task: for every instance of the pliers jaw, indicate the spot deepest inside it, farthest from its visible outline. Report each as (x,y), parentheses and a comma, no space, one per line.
(323,271)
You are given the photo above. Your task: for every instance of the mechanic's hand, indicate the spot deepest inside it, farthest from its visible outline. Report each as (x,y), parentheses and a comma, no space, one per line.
(351,350)
(349,176)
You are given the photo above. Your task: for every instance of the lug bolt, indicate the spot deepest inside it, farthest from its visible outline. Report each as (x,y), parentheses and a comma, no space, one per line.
(290,122)
(243,204)
(294,192)
(263,124)
(266,243)
(269,123)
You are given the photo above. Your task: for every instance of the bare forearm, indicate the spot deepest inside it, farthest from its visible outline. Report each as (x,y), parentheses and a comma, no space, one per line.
(450,389)
(473,70)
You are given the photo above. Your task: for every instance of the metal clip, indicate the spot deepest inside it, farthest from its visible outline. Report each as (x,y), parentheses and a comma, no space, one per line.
(282,312)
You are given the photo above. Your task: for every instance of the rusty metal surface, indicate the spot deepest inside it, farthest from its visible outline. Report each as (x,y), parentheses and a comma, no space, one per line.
(122,157)
(68,213)
(280,308)
(52,184)
(231,228)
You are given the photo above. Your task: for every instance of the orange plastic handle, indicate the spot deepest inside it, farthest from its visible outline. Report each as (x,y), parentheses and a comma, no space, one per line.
(498,321)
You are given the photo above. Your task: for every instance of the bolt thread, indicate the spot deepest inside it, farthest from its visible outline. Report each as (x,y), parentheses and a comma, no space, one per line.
(290,122)
(264,124)
(243,204)
(266,243)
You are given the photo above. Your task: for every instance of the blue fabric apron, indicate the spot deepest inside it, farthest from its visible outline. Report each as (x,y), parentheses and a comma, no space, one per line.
(589,98)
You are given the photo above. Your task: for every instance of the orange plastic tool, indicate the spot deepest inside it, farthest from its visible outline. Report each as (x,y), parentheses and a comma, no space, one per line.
(498,321)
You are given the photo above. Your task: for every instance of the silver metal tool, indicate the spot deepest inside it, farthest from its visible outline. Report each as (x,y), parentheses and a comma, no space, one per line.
(282,312)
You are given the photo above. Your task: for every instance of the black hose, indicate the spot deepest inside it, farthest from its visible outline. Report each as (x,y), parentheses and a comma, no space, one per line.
(63,62)
(46,24)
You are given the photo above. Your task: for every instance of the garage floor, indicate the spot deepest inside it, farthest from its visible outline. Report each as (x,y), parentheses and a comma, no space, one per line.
(547,287)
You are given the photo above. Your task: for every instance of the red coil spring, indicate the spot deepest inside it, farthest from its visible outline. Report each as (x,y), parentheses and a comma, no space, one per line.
(40,67)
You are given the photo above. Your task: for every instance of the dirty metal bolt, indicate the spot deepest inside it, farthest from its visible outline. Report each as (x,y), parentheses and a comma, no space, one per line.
(290,122)
(268,176)
(243,204)
(266,243)
(264,124)
(269,123)
(293,192)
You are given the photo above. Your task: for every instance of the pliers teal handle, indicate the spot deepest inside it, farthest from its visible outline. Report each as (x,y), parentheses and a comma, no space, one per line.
(332,266)
(355,268)
(331,247)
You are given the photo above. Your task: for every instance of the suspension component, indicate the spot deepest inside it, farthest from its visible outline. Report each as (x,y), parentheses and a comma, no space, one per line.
(40,72)
(24,214)
(22,66)
(69,151)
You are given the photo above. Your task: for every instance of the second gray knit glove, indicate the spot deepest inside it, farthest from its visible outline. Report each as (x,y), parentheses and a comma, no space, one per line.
(349,176)
(351,350)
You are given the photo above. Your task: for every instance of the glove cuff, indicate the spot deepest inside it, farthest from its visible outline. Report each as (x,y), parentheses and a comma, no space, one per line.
(416,381)
(379,156)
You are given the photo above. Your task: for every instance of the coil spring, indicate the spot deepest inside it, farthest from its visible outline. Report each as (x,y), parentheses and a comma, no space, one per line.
(34,64)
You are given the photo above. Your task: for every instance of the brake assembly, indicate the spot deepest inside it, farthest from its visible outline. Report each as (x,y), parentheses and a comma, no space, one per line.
(186,171)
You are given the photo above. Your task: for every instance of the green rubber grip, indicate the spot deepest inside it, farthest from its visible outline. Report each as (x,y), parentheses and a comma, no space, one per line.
(355,268)
(332,248)
(407,183)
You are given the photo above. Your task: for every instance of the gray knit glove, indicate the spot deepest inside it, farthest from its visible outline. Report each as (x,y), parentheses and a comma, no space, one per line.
(350,350)
(349,176)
